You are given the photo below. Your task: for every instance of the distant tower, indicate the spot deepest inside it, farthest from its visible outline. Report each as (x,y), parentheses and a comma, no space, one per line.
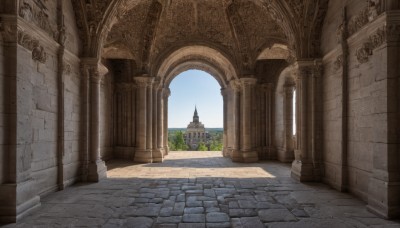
(196,132)
(195,116)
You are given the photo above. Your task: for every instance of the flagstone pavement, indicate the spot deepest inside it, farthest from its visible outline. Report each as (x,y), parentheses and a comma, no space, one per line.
(201,189)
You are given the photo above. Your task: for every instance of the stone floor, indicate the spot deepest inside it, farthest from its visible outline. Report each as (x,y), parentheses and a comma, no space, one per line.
(201,189)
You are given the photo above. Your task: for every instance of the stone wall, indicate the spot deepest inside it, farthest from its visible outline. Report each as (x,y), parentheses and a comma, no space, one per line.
(3,157)
(106,116)
(356,112)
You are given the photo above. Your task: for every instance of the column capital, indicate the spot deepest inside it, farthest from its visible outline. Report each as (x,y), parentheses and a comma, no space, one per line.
(143,81)
(308,67)
(235,85)
(166,92)
(266,86)
(224,92)
(248,81)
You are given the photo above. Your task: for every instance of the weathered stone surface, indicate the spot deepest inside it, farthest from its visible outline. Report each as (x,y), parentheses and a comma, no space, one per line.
(214,217)
(276,215)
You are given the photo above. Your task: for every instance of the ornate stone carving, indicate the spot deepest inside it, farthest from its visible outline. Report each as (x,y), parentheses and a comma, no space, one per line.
(8,30)
(338,63)
(67,69)
(373,42)
(33,45)
(36,11)
(366,15)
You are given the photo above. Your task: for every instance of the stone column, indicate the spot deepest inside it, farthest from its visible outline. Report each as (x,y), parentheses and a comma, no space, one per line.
(224,93)
(149,120)
(166,94)
(97,168)
(268,118)
(247,148)
(236,91)
(157,153)
(142,155)
(305,167)
(288,155)
(160,121)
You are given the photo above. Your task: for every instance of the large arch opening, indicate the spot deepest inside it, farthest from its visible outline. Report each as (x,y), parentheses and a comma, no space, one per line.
(195,115)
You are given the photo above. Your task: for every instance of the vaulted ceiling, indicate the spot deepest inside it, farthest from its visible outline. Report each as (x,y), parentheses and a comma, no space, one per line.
(147,31)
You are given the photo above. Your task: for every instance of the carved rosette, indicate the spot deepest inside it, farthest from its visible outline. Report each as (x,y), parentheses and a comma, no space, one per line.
(338,64)
(36,13)
(32,44)
(144,81)
(373,42)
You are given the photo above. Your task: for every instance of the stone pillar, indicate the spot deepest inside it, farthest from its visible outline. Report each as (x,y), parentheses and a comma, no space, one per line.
(247,148)
(236,155)
(288,155)
(268,118)
(142,155)
(158,155)
(160,121)
(166,94)
(97,168)
(305,167)
(224,93)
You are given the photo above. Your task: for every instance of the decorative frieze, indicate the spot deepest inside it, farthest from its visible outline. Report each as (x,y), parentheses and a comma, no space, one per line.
(374,41)
(366,15)
(36,12)
(32,44)
(338,64)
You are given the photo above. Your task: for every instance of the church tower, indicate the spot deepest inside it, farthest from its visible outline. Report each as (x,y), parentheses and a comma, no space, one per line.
(195,115)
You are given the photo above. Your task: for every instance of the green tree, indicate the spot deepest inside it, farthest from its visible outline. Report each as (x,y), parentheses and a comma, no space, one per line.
(180,142)
(202,147)
(216,146)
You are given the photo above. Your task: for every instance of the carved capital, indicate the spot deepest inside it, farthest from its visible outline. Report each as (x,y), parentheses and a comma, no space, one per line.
(308,68)
(144,81)
(236,85)
(166,93)
(246,82)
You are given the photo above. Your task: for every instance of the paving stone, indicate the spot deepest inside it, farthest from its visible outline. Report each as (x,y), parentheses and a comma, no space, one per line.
(233,205)
(166,211)
(192,225)
(276,215)
(170,219)
(251,222)
(300,213)
(165,226)
(194,203)
(194,218)
(178,208)
(139,222)
(214,217)
(249,204)
(194,210)
(208,204)
(219,225)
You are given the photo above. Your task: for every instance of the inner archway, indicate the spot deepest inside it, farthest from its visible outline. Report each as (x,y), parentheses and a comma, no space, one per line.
(195,112)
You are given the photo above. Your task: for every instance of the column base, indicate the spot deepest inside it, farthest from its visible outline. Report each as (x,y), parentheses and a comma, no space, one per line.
(236,156)
(166,150)
(304,172)
(18,201)
(158,155)
(225,152)
(143,156)
(250,156)
(383,198)
(97,171)
(286,156)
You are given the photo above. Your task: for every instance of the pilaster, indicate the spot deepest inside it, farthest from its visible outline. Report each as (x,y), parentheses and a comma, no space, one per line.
(247,148)
(306,166)
(97,169)
(142,153)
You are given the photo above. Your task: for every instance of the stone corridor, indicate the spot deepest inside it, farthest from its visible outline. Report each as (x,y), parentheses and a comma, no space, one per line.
(201,189)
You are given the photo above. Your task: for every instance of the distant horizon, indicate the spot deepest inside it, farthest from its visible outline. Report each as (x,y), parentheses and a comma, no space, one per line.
(195,88)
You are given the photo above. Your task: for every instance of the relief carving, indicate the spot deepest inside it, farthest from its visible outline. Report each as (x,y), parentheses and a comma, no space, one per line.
(374,41)
(338,64)
(36,12)
(33,45)
(366,15)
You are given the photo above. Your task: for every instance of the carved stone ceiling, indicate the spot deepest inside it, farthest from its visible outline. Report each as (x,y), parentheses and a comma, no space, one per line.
(148,30)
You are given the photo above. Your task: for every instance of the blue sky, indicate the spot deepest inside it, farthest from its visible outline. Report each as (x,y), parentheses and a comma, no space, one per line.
(192,88)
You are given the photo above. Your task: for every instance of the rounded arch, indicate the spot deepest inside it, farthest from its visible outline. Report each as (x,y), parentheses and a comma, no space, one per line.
(199,57)
(195,65)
